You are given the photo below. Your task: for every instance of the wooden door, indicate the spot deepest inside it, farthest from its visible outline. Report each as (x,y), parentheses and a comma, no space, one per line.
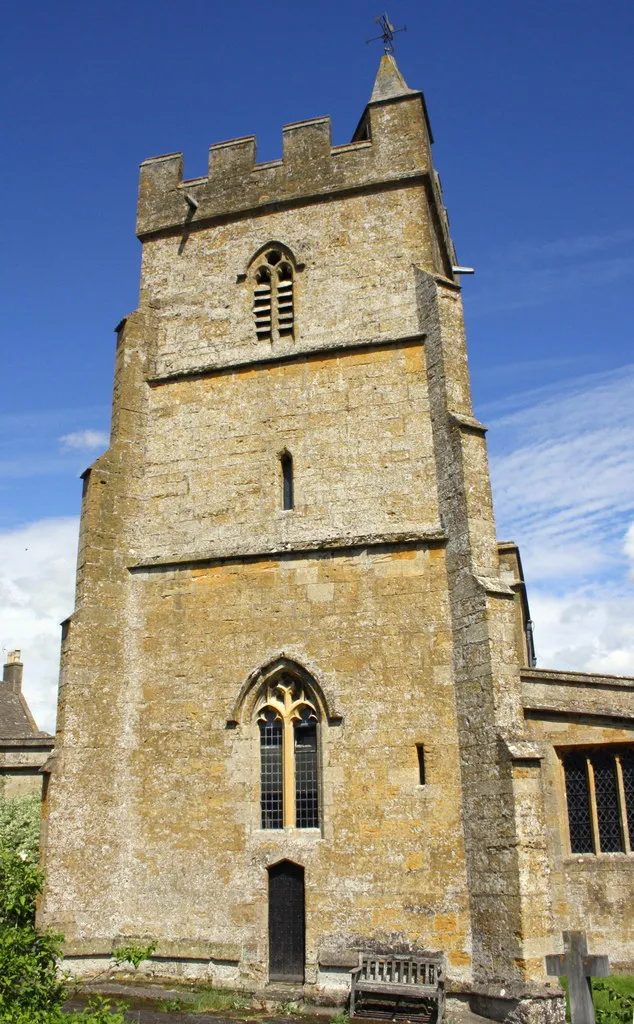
(286,922)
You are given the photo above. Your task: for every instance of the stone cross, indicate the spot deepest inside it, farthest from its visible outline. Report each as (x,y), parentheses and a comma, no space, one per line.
(578,967)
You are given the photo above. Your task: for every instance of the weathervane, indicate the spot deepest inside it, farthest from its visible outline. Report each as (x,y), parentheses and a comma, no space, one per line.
(387,34)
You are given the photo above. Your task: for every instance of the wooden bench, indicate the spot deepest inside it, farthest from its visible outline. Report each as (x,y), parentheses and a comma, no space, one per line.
(406,981)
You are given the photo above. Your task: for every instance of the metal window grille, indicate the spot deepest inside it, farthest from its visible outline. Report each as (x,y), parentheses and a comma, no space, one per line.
(627,769)
(607,799)
(306,774)
(578,805)
(271,770)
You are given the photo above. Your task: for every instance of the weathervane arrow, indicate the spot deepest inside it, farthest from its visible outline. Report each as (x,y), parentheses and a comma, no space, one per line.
(387,34)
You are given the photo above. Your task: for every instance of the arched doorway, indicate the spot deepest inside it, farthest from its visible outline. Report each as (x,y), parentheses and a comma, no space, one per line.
(286,922)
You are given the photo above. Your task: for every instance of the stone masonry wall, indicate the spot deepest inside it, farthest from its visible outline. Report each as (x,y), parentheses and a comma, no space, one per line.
(383,583)
(591,892)
(358,430)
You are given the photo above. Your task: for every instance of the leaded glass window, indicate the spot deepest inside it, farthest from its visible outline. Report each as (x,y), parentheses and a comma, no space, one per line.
(271,769)
(288,719)
(578,805)
(607,800)
(627,769)
(600,798)
(306,788)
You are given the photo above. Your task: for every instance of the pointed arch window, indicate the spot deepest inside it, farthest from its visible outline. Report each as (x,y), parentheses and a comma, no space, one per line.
(288,721)
(274,295)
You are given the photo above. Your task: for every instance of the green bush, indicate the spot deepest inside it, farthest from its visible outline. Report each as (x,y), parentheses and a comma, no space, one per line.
(31,991)
(20,825)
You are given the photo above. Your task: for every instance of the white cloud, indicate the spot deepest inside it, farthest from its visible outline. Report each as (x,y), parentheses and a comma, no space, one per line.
(37,570)
(83,440)
(563,476)
(563,479)
(590,629)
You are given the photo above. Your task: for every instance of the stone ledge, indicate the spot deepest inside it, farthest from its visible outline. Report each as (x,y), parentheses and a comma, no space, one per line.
(297,549)
(175,949)
(495,586)
(468,423)
(508,991)
(295,356)
(563,678)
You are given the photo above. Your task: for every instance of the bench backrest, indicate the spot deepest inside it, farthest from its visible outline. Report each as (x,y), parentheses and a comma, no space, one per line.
(401,970)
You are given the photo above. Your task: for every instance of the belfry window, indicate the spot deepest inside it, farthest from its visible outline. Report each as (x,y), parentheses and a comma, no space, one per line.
(289,757)
(273,296)
(262,303)
(600,798)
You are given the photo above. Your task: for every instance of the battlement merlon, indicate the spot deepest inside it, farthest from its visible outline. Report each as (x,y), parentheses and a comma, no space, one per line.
(391,145)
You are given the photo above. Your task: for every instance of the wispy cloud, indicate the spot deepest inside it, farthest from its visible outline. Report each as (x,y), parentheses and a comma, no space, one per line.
(562,467)
(37,567)
(567,248)
(563,476)
(532,273)
(83,440)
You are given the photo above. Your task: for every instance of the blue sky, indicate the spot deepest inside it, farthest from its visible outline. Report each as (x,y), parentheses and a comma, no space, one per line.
(531,109)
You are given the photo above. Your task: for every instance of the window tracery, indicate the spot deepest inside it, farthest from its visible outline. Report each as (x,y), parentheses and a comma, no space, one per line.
(273,295)
(288,720)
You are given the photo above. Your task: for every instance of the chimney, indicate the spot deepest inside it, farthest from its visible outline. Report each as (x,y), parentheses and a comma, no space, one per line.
(12,672)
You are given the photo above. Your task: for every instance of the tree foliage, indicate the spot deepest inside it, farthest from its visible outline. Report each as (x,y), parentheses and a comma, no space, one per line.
(31,990)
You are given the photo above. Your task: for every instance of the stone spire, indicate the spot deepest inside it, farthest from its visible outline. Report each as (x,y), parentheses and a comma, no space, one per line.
(389,82)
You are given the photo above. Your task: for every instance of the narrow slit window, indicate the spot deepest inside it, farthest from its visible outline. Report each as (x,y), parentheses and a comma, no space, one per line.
(420,751)
(287,481)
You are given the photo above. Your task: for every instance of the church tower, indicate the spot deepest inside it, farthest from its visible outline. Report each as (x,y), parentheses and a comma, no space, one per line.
(290,721)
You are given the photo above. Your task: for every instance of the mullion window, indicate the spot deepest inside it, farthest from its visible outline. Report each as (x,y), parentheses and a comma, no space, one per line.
(271,771)
(306,775)
(607,803)
(289,758)
(579,819)
(627,771)
(600,797)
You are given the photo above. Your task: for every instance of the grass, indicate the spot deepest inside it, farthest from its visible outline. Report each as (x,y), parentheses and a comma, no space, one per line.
(340,1018)
(207,999)
(613,999)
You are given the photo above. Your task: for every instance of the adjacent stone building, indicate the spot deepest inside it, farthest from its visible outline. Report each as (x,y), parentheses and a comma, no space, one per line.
(299,715)
(23,748)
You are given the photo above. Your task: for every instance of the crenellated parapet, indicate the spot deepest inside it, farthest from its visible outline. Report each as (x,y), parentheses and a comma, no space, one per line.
(392,144)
